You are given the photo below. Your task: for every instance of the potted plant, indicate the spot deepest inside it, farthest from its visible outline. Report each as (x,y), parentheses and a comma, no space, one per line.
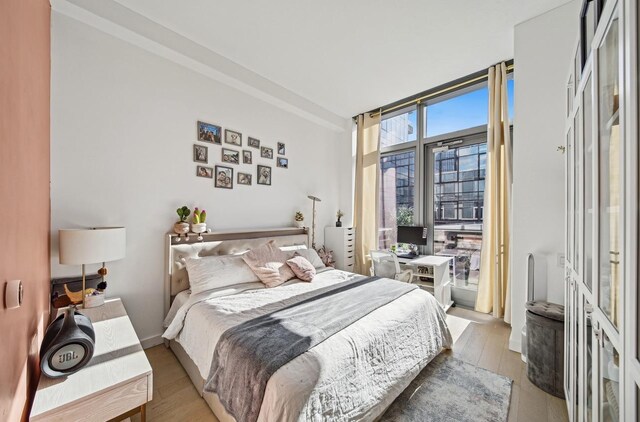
(339,214)
(299,219)
(198,224)
(182,227)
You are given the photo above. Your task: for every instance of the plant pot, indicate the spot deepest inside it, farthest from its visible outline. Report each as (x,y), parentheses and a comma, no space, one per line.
(299,224)
(181,228)
(199,228)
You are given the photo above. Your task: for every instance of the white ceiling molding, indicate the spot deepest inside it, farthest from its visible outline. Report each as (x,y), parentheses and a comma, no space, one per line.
(116,20)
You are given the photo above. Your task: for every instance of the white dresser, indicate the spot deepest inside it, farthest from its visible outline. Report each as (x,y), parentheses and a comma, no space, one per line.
(341,240)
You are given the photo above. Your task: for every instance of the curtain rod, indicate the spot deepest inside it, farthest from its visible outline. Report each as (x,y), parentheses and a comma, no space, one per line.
(436,93)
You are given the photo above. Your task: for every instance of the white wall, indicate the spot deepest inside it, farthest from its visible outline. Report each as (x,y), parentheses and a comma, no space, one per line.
(543,54)
(123,126)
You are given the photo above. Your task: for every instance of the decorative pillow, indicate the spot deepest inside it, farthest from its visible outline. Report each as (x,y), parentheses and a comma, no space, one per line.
(269,264)
(312,256)
(292,248)
(302,268)
(212,272)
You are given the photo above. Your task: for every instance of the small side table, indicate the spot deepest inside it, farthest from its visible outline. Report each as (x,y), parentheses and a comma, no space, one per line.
(117,382)
(436,269)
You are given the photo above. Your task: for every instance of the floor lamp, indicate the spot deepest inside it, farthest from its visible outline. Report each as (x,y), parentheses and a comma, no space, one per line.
(313,220)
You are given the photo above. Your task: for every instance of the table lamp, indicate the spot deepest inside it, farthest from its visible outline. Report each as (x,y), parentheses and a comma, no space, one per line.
(91,246)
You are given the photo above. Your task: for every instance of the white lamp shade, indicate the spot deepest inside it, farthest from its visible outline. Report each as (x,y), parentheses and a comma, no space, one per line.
(91,246)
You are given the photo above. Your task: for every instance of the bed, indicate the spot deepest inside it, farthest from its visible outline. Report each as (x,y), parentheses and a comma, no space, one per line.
(355,374)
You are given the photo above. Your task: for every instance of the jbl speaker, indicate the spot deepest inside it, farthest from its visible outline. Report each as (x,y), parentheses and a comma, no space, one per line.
(68,344)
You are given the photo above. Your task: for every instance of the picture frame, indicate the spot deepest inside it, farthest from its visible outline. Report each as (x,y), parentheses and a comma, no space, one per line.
(203,171)
(247,157)
(224,177)
(200,154)
(282,162)
(266,152)
(208,132)
(264,175)
(230,156)
(244,179)
(253,142)
(232,137)
(281,148)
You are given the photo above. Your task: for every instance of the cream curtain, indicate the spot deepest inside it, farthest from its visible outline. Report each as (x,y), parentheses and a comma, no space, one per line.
(493,284)
(365,218)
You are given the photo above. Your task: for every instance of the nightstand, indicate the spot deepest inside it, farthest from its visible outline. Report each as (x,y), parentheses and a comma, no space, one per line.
(116,383)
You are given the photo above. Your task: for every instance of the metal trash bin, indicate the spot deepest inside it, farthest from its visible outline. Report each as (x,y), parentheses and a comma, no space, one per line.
(545,346)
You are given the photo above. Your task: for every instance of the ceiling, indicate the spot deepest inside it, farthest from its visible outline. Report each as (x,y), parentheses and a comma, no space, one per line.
(350,56)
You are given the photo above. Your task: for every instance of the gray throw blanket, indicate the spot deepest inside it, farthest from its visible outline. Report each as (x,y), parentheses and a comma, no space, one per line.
(248,354)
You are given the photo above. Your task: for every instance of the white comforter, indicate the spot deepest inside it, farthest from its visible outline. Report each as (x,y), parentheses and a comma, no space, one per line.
(353,375)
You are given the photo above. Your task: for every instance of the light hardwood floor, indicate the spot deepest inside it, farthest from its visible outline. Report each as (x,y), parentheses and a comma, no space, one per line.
(479,339)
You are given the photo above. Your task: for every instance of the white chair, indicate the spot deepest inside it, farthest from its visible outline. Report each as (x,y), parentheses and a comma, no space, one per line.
(385,264)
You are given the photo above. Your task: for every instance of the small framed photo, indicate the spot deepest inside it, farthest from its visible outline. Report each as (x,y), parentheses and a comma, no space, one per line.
(283,162)
(230,156)
(209,133)
(253,142)
(281,149)
(244,178)
(232,137)
(224,177)
(200,154)
(266,152)
(202,171)
(247,157)
(264,175)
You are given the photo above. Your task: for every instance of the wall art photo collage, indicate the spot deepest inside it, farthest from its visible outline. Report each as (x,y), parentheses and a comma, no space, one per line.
(232,153)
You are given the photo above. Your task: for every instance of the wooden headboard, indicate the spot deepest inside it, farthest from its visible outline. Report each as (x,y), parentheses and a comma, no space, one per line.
(217,243)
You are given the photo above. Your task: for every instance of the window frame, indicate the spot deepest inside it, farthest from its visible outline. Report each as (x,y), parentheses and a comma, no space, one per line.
(423,189)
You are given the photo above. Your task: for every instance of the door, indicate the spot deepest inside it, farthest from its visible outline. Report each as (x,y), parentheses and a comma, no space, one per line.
(455,177)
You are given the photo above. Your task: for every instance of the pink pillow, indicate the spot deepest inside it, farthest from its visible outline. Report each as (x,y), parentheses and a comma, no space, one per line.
(268,263)
(302,268)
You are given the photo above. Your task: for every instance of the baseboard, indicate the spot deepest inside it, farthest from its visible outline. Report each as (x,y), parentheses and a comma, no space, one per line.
(515,344)
(152,341)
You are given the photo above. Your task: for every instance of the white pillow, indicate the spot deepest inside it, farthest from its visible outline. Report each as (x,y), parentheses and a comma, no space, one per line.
(293,248)
(312,256)
(213,272)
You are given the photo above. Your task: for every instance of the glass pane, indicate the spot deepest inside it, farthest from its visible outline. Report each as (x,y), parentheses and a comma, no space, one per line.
(569,96)
(577,400)
(609,381)
(458,209)
(588,368)
(578,68)
(568,331)
(587,130)
(590,25)
(577,206)
(399,129)
(462,111)
(609,144)
(569,198)
(397,184)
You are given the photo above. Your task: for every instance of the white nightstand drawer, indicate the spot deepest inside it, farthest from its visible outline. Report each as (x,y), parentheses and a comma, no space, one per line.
(107,405)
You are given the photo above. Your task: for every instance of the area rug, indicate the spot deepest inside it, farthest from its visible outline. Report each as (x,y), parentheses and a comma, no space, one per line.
(448,390)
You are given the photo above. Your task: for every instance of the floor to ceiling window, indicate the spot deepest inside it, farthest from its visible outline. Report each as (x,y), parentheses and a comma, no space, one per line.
(433,163)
